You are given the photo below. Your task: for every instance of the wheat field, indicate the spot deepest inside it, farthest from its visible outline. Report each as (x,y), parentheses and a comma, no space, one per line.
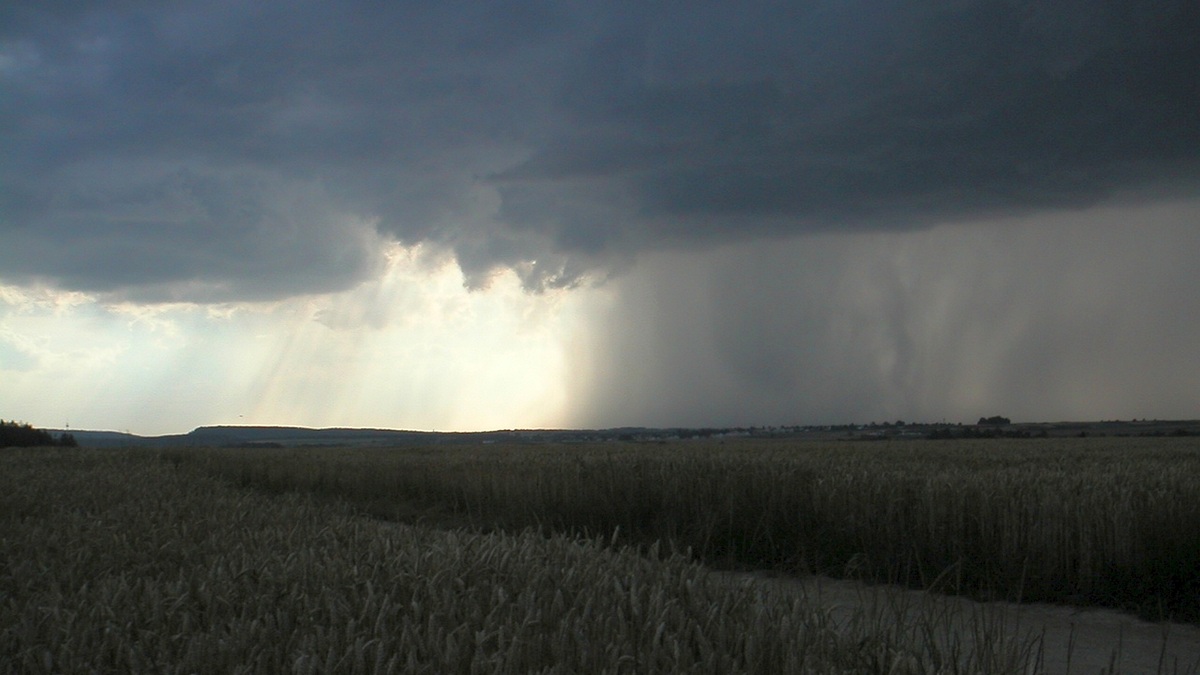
(117,561)
(573,559)
(1109,522)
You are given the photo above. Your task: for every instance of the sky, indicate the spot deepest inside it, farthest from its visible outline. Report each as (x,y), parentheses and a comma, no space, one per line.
(478,215)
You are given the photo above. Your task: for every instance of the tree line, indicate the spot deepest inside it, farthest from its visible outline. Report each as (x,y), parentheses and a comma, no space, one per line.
(16,434)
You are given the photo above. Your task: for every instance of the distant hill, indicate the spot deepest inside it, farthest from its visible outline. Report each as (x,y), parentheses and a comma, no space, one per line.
(271,436)
(278,436)
(237,435)
(115,439)
(267,436)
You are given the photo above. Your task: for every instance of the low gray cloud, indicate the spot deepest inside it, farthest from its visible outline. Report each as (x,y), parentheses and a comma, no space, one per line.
(232,150)
(152,232)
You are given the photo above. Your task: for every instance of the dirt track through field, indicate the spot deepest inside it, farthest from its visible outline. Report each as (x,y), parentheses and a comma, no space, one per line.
(1073,640)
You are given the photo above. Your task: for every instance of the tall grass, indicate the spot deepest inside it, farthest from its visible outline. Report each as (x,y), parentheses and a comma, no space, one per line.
(1108,522)
(116,562)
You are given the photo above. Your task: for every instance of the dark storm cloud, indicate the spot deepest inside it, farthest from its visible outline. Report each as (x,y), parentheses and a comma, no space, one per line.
(255,149)
(155,148)
(827,117)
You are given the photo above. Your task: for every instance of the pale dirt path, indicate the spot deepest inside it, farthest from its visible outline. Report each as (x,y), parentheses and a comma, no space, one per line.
(1094,640)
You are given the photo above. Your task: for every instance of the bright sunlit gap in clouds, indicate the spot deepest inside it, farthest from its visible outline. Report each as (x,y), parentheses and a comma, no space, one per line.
(410,349)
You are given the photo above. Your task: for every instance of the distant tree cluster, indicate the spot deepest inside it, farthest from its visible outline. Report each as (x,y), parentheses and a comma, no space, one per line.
(985,431)
(994,421)
(15,434)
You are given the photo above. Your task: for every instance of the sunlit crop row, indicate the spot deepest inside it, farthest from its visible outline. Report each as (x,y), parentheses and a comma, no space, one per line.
(120,562)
